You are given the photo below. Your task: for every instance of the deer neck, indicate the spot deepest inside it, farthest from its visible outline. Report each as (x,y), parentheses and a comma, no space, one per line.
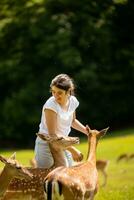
(58,156)
(5,178)
(92,149)
(59,159)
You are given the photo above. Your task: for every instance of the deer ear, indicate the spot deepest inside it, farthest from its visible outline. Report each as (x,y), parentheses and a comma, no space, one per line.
(103,132)
(39,135)
(13,156)
(2,159)
(43,137)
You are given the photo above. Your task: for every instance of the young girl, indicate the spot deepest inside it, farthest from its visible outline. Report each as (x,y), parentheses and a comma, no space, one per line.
(58,116)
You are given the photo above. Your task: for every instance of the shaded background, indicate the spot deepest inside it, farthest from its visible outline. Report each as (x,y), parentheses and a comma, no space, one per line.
(92,41)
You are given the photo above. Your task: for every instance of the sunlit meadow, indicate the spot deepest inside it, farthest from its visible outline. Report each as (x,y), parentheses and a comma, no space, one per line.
(120,182)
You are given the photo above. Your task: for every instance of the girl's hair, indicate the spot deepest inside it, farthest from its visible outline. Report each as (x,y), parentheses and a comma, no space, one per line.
(64,82)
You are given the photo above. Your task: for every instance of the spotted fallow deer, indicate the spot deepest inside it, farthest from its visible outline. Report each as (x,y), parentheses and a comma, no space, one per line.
(123,156)
(11,169)
(131,156)
(34,189)
(63,143)
(101,165)
(79,182)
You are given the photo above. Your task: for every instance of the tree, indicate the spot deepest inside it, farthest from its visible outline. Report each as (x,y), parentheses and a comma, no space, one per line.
(86,40)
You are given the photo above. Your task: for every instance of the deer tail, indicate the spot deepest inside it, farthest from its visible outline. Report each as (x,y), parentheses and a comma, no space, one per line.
(53,188)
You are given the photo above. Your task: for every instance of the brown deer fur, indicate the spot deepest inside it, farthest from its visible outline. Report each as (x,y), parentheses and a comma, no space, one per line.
(34,189)
(122,157)
(79,182)
(102,166)
(11,170)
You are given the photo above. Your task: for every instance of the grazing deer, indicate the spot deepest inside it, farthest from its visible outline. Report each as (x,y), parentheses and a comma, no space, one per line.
(34,189)
(122,157)
(131,156)
(78,182)
(12,169)
(101,165)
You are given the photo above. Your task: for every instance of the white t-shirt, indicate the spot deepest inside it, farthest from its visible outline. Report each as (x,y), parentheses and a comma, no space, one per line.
(64,118)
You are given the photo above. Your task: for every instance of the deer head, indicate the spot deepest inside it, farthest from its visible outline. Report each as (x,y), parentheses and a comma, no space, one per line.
(96,133)
(59,140)
(14,168)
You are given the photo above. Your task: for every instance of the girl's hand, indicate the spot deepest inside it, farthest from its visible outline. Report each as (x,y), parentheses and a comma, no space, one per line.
(87,130)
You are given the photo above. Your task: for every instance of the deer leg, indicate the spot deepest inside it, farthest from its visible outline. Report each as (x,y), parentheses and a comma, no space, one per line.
(91,196)
(105,178)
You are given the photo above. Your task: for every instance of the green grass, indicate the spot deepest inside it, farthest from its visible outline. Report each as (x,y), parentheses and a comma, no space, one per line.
(23,156)
(120,183)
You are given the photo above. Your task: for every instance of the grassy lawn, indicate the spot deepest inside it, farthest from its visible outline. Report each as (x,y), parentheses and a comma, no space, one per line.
(120,184)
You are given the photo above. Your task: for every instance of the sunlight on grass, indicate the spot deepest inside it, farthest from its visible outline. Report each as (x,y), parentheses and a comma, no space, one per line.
(23,156)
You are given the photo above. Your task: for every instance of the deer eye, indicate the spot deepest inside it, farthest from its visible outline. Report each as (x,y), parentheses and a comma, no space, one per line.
(18,167)
(60,138)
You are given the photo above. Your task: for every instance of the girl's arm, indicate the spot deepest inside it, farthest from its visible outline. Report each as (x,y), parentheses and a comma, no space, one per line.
(57,152)
(51,121)
(77,155)
(77,125)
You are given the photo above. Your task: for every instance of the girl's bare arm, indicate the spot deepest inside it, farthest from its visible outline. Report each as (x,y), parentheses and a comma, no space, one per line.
(77,125)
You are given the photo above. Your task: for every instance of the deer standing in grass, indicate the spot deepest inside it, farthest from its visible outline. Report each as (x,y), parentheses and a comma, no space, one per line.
(11,170)
(125,156)
(101,165)
(131,156)
(122,157)
(34,189)
(79,182)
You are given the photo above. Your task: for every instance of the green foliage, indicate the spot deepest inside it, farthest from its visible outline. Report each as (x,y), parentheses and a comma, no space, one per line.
(91,41)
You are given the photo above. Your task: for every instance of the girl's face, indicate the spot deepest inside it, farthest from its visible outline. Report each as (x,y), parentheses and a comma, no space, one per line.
(60,95)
